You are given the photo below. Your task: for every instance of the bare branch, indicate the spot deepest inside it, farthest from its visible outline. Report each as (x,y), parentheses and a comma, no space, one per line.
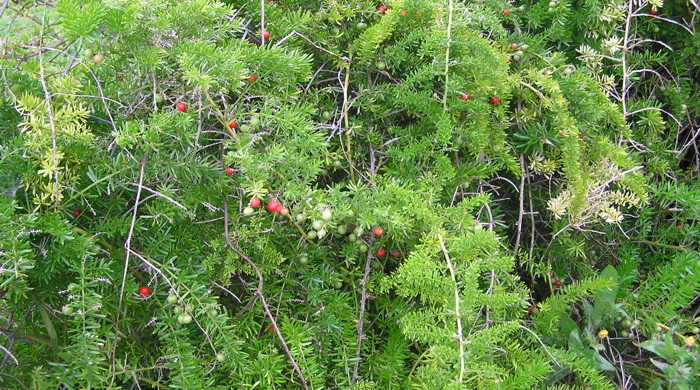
(458,313)
(361,316)
(259,294)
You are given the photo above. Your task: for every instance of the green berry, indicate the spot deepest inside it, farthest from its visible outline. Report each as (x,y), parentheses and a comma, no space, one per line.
(172,298)
(311,234)
(300,217)
(177,309)
(304,259)
(67,310)
(342,229)
(321,233)
(317,224)
(362,25)
(326,215)
(98,58)
(220,357)
(184,318)
(248,211)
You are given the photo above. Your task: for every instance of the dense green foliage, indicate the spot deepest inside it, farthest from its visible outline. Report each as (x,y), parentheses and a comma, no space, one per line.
(453,195)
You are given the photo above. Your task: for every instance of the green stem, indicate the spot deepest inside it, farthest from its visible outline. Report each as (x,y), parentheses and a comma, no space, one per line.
(661,245)
(346,121)
(96,182)
(447,53)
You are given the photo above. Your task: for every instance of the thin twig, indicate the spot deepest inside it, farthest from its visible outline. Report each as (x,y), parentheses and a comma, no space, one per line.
(344,117)
(458,313)
(127,247)
(127,243)
(262,21)
(162,195)
(259,294)
(293,33)
(361,316)
(541,343)
(228,291)
(49,112)
(521,208)
(447,55)
(10,355)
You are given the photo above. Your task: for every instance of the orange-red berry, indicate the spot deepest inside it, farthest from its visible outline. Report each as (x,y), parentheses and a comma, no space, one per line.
(272,206)
(145,291)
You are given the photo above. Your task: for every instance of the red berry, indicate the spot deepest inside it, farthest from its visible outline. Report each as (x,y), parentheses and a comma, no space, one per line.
(75,213)
(232,124)
(279,208)
(402,12)
(514,46)
(395,254)
(380,252)
(229,171)
(252,78)
(506,12)
(382,8)
(145,291)
(557,283)
(254,202)
(464,96)
(181,107)
(266,34)
(271,329)
(272,206)
(378,231)
(653,11)
(495,100)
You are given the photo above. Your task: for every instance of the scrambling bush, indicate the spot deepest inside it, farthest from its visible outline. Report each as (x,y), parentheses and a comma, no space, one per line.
(293,194)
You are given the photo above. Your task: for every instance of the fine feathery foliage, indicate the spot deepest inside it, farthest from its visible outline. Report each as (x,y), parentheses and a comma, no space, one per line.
(293,194)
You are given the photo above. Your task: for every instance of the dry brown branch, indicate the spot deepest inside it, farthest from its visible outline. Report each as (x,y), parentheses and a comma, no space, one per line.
(361,315)
(258,293)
